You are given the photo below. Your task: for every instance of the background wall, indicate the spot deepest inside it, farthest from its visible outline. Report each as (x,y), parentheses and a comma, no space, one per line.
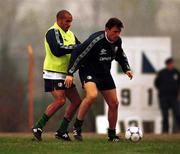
(25,22)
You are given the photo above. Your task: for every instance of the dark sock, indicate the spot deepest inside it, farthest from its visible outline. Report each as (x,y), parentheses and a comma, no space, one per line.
(41,122)
(111,132)
(78,123)
(64,126)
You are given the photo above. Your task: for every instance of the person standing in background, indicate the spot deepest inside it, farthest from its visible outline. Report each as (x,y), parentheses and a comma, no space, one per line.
(167,83)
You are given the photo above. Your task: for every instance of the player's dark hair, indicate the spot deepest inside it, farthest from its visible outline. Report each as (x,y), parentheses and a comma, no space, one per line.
(114,22)
(169,60)
(60,14)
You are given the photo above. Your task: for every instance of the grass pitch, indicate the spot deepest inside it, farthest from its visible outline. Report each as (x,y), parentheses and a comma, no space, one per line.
(21,143)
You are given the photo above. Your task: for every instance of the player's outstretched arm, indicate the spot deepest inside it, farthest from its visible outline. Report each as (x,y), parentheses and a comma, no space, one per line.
(129,74)
(55,42)
(78,56)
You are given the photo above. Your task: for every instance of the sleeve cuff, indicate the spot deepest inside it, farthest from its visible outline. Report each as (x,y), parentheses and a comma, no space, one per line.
(70,74)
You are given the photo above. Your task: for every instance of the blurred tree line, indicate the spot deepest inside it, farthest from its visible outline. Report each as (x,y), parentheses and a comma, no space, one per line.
(23,22)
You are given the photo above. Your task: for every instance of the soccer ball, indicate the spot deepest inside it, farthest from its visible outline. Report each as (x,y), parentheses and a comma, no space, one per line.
(133,134)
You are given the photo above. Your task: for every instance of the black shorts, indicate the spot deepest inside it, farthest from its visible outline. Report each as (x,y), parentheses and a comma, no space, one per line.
(51,85)
(103,81)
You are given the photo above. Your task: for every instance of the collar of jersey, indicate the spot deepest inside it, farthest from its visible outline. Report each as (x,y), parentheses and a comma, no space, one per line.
(59,28)
(107,38)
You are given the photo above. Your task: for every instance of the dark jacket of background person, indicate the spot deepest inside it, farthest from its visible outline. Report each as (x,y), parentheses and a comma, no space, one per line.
(168,82)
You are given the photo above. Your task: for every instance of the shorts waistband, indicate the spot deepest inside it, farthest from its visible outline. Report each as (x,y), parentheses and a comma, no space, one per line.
(53,75)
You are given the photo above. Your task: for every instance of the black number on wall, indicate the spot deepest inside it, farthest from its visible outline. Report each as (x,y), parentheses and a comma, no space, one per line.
(126,97)
(150,96)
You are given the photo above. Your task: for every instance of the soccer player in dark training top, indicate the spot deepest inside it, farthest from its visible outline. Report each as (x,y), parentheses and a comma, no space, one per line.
(93,59)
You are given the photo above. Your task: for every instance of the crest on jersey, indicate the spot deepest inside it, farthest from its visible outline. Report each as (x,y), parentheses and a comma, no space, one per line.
(89,77)
(175,77)
(60,84)
(116,49)
(103,52)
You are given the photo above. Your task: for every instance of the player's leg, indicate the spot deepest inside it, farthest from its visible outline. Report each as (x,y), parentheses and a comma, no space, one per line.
(111,98)
(175,109)
(165,116)
(112,101)
(108,89)
(91,94)
(73,96)
(59,100)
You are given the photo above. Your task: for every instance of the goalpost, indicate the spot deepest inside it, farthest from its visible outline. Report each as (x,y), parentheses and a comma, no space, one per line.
(30,87)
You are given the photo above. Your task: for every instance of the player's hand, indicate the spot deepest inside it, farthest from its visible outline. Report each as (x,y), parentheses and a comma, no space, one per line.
(68,81)
(129,74)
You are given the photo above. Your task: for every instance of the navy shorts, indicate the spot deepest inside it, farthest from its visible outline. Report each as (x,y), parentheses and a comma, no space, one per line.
(51,85)
(103,81)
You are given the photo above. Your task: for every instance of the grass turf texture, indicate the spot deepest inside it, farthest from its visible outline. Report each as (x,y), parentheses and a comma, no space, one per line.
(21,143)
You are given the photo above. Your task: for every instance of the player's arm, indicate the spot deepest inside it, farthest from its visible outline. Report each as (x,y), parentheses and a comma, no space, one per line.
(157,81)
(121,58)
(77,41)
(178,79)
(78,57)
(55,41)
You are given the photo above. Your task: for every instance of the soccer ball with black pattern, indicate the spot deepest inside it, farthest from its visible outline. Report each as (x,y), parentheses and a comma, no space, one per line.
(134,134)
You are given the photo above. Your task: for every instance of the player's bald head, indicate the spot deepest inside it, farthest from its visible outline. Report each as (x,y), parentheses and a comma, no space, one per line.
(61,14)
(64,19)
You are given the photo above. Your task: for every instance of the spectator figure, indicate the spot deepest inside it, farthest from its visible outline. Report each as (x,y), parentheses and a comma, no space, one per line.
(167,83)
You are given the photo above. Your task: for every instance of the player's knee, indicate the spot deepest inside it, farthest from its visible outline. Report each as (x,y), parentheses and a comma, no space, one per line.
(76,104)
(91,96)
(60,101)
(114,105)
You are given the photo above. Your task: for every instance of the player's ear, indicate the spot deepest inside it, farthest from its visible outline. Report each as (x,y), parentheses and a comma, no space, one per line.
(106,29)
